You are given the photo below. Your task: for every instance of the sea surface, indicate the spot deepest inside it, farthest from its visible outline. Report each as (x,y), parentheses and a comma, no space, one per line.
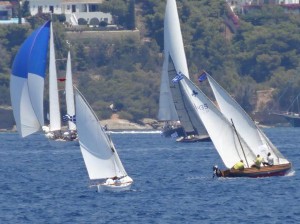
(41,183)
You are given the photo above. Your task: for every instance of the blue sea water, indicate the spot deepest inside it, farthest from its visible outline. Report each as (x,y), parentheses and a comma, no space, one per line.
(40,183)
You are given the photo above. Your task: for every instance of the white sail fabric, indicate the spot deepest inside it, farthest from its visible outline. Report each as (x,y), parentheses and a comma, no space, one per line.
(218,127)
(173,38)
(167,111)
(70,93)
(27,81)
(173,45)
(184,108)
(27,119)
(54,111)
(100,156)
(245,126)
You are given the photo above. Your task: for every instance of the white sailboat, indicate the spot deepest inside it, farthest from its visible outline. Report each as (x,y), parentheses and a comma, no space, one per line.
(53,131)
(231,142)
(71,134)
(171,104)
(100,156)
(27,82)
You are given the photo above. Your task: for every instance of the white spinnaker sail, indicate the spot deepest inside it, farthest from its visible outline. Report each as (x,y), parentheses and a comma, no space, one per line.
(27,81)
(70,93)
(246,127)
(100,156)
(173,45)
(184,108)
(54,111)
(218,127)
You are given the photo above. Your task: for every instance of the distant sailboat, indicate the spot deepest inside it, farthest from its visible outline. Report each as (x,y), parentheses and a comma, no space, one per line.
(234,135)
(71,134)
(171,105)
(54,129)
(27,82)
(99,153)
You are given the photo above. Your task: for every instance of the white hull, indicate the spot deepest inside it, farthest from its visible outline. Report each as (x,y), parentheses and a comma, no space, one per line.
(114,188)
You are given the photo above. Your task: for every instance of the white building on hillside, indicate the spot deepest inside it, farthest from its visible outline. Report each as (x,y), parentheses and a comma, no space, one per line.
(73,9)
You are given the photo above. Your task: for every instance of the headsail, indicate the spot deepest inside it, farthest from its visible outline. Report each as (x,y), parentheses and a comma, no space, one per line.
(246,127)
(99,154)
(70,93)
(55,119)
(27,81)
(230,147)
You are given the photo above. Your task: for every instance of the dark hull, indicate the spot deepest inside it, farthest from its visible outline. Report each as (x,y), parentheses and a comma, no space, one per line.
(194,139)
(293,120)
(265,171)
(168,132)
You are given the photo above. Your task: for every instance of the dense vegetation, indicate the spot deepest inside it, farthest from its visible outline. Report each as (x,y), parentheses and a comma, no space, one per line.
(263,53)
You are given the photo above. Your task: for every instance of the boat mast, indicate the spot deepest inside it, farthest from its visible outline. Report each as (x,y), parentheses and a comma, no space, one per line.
(239,141)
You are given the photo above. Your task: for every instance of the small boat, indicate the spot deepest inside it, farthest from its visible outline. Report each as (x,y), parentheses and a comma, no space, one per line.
(172,104)
(99,153)
(234,134)
(27,81)
(292,115)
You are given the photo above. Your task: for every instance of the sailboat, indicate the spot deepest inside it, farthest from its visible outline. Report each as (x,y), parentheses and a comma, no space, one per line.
(171,103)
(234,134)
(99,153)
(292,115)
(27,81)
(71,133)
(53,131)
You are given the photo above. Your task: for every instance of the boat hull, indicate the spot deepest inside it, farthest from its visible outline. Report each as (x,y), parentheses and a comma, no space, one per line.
(114,188)
(194,139)
(265,171)
(293,120)
(169,132)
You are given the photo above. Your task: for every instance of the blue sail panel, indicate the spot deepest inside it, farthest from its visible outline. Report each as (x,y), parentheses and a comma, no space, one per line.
(27,81)
(31,58)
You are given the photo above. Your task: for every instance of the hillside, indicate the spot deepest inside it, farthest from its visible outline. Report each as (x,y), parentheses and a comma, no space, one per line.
(123,67)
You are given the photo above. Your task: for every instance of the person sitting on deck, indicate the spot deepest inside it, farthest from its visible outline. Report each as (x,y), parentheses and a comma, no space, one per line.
(257,161)
(270,160)
(239,165)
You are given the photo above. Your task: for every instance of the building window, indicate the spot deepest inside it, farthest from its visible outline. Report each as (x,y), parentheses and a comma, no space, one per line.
(68,7)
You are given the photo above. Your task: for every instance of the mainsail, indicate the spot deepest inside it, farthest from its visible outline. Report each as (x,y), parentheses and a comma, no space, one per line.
(99,154)
(27,81)
(173,45)
(54,111)
(70,93)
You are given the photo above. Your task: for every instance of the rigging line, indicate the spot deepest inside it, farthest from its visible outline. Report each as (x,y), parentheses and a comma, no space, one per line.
(239,141)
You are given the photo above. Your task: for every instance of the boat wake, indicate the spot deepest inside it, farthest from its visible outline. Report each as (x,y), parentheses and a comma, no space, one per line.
(134,132)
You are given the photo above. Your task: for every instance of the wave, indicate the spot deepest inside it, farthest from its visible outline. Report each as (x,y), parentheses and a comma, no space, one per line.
(135,132)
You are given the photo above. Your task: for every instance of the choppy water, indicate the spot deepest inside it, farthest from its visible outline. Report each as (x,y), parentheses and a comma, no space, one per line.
(40,183)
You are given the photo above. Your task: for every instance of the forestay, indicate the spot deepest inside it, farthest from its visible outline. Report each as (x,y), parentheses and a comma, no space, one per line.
(100,156)
(27,82)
